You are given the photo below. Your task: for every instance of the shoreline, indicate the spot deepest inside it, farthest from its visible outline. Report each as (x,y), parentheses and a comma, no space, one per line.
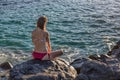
(97,65)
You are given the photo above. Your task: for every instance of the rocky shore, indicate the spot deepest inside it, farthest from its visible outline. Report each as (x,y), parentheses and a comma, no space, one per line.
(95,67)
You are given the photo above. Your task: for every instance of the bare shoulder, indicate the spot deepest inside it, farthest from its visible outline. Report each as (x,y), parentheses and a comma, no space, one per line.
(34,31)
(46,33)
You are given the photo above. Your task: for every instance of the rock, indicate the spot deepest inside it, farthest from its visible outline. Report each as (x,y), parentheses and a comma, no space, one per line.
(103,57)
(43,70)
(82,77)
(4,70)
(6,65)
(99,67)
(3,78)
(115,50)
(94,57)
(77,64)
(98,70)
(95,67)
(103,67)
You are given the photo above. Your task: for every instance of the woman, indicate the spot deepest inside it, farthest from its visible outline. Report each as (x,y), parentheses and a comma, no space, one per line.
(41,41)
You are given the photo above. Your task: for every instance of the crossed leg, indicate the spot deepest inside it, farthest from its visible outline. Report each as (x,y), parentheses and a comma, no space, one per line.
(53,55)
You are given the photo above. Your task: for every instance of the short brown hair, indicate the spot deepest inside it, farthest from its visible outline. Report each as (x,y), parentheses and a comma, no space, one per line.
(41,23)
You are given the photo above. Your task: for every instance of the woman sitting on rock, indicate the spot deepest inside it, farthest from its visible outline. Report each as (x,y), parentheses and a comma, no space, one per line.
(41,41)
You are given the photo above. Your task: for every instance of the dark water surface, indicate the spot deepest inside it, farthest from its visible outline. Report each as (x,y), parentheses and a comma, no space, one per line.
(79,27)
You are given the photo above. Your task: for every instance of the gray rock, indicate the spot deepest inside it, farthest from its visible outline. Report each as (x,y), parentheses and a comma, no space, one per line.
(115,50)
(6,65)
(4,70)
(102,67)
(77,64)
(94,57)
(43,70)
(82,77)
(97,70)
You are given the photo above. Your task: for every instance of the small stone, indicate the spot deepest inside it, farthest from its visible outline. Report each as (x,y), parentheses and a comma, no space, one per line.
(6,65)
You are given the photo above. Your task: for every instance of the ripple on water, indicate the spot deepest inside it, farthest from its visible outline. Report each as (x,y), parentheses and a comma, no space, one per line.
(116,28)
(95,25)
(100,21)
(96,16)
(12,42)
(73,23)
(11,22)
(115,16)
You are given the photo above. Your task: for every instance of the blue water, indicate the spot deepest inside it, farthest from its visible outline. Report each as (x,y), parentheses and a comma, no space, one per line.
(79,27)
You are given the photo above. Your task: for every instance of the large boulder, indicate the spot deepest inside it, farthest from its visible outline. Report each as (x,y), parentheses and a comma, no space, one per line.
(99,67)
(4,70)
(78,63)
(43,70)
(115,51)
(97,70)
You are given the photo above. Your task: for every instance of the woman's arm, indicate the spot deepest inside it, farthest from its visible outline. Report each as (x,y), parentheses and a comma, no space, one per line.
(48,43)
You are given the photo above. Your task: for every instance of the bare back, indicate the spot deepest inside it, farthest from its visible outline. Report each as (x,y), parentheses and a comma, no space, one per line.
(39,40)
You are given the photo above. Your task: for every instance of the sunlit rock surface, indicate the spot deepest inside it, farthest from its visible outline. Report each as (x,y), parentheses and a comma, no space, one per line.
(43,70)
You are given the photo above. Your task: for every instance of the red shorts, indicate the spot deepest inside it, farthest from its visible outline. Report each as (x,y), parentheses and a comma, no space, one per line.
(37,55)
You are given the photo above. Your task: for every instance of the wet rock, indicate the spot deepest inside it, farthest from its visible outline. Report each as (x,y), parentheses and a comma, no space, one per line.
(43,70)
(6,65)
(100,57)
(77,64)
(3,78)
(100,67)
(4,70)
(115,50)
(98,70)
(82,77)
(103,57)
(94,57)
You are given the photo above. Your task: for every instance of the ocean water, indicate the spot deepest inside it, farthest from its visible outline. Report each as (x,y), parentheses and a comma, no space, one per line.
(79,27)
